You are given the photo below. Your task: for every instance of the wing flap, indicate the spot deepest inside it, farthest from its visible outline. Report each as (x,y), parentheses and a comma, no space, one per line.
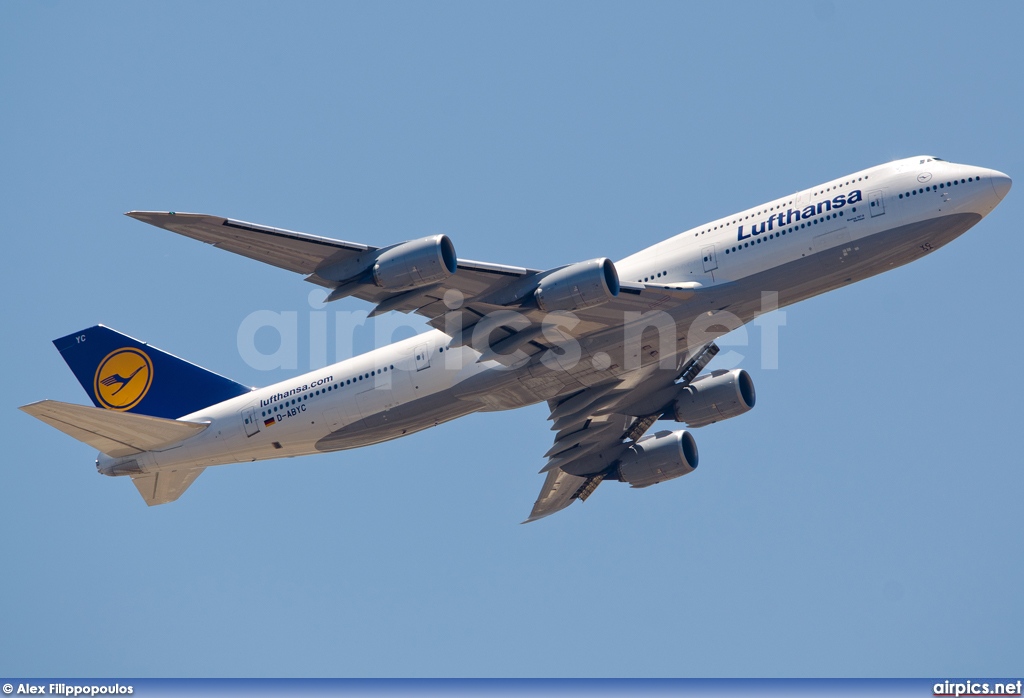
(596,425)
(115,433)
(558,492)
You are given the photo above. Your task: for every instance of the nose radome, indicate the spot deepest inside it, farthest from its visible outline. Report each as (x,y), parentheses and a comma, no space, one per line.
(1000,183)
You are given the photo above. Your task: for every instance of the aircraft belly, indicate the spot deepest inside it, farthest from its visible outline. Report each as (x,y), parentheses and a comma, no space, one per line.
(397,421)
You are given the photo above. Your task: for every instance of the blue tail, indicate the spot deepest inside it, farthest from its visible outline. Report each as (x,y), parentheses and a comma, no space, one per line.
(124,374)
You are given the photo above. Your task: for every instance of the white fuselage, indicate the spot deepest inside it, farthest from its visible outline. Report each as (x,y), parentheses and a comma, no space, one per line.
(798,245)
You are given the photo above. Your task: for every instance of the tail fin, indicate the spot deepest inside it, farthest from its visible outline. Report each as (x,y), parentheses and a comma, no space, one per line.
(121,373)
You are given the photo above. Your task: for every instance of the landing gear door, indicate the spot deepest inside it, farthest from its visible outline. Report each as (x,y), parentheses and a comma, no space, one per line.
(710,260)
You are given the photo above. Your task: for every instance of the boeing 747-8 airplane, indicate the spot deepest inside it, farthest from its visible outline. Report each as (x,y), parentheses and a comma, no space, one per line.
(611,347)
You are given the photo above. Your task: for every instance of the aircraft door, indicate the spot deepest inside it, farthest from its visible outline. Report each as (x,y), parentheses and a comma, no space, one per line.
(877,203)
(710,260)
(422,354)
(250,422)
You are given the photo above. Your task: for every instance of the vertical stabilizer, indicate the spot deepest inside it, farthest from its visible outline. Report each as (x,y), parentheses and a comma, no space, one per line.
(121,373)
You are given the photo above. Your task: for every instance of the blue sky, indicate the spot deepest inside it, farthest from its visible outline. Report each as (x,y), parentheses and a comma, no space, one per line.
(863,520)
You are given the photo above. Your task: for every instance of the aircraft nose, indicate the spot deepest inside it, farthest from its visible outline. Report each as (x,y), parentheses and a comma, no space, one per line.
(1000,183)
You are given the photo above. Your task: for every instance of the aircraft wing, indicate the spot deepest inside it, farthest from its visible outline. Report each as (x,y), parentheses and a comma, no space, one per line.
(297,252)
(311,254)
(482,287)
(559,491)
(597,425)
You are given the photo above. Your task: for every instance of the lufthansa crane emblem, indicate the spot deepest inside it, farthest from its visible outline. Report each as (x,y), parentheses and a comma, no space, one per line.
(123,378)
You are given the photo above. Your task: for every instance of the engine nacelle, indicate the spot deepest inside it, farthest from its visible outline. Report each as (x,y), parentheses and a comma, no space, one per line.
(659,457)
(578,286)
(415,263)
(714,397)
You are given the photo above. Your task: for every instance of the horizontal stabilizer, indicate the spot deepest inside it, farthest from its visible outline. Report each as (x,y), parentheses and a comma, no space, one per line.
(114,433)
(165,485)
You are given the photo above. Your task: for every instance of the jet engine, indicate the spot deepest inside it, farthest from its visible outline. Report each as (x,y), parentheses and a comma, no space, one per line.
(578,286)
(658,457)
(716,396)
(415,263)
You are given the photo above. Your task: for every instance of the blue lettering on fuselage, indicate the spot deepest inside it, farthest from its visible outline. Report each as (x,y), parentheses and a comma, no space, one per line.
(781,220)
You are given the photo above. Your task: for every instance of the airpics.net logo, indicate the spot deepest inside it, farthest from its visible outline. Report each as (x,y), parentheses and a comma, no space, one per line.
(271,340)
(123,378)
(976,688)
